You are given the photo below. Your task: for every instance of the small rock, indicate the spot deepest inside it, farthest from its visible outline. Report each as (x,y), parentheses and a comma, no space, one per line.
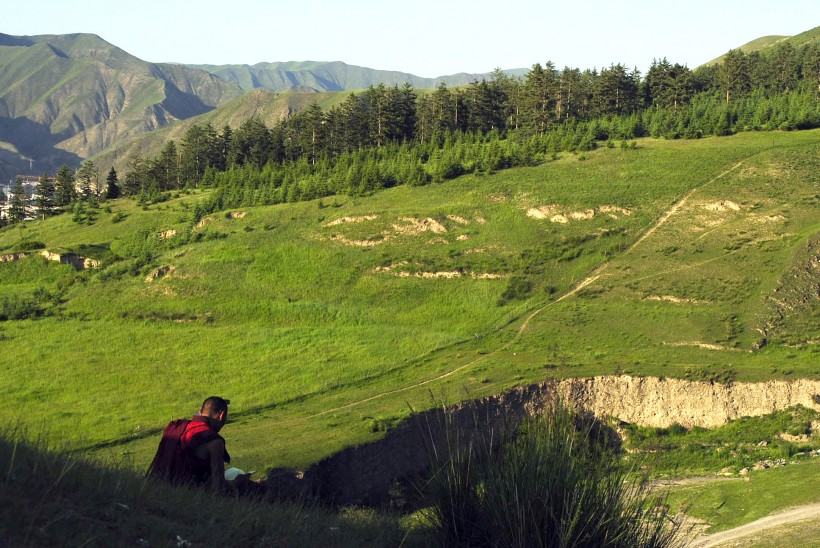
(763,444)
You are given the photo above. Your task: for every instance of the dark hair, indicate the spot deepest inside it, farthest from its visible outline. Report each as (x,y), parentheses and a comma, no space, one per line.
(215,404)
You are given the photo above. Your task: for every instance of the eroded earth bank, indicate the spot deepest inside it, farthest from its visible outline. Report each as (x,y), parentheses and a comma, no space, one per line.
(373,473)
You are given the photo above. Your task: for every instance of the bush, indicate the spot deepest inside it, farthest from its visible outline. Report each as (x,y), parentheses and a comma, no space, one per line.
(19,307)
(557,481)
(517,288)
(29,245)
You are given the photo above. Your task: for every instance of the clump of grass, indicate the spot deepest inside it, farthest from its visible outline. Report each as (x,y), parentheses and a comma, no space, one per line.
(555,480)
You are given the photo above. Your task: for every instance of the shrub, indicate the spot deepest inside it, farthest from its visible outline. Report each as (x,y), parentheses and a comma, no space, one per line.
(556,481)
(19,307)
(517,288)
(30,245)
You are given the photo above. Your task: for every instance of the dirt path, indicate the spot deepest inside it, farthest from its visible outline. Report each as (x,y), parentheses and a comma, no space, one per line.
(793,515)
(677,205)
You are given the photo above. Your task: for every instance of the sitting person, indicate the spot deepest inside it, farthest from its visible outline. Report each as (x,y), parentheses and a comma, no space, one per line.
(192,451)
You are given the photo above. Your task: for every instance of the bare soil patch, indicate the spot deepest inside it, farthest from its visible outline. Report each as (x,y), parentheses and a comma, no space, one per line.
(399,269)
(357,243)
(356,219)
(12,257)
(556,215)
(705,346)
(675,300)
(160,272)
(722,205)
(410,226)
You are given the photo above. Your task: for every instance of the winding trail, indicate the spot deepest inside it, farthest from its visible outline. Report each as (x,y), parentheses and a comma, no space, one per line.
(793,515)
(677,205)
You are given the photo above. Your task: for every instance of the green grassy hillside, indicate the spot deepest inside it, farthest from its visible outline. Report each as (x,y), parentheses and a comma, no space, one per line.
(322,321)
(765,42)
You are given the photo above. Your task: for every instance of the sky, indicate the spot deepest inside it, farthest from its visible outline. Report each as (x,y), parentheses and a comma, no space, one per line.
(427,38)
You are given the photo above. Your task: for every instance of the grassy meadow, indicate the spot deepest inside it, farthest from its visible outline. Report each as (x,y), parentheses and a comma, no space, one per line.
(730,502)
(325,321)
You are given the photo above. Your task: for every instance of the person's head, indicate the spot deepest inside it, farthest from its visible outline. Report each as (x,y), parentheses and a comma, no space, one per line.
(216,409)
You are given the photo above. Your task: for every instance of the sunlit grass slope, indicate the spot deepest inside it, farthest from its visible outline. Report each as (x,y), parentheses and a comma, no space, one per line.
(322,321)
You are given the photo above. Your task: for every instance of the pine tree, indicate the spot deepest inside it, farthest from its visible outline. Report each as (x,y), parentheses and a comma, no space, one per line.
(616,91)
(87,177)
(785,68)
(65,186)
(733,75)
(46,196)
(18,202)
(138,177)
(112,189)
(406,107)
(200,149)
(540,94)
(165,168)
(222,149)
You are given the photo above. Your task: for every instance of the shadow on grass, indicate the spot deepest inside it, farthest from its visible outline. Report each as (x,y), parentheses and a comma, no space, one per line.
(50,497)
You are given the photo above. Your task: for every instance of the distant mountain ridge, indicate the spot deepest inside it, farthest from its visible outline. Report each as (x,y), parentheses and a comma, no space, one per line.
(331,76)
(64,98)
(269,107)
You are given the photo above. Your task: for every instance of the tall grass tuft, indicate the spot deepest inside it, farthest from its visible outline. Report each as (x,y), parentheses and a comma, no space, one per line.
(51,497)
(556,480)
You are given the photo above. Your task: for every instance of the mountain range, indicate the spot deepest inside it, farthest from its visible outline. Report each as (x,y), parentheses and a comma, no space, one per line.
(66,98)
(330,76)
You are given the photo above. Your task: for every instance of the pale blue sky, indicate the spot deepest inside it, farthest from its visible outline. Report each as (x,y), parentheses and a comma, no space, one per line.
(424,37)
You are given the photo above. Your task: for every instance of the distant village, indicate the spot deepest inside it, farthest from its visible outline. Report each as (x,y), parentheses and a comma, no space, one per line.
(30,184)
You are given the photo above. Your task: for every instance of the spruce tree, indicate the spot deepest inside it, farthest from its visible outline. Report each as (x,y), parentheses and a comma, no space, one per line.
(733,75)
(112,189)
(65,186)
(46,196)
(18,202)
(165,169)
(87,177)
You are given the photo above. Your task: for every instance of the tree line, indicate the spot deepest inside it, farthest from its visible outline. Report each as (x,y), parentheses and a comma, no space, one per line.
(79,191)
(385,136)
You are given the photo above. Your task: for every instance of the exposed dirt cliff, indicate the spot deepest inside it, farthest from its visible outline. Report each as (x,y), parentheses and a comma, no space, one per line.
(373,473)
(650,401)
